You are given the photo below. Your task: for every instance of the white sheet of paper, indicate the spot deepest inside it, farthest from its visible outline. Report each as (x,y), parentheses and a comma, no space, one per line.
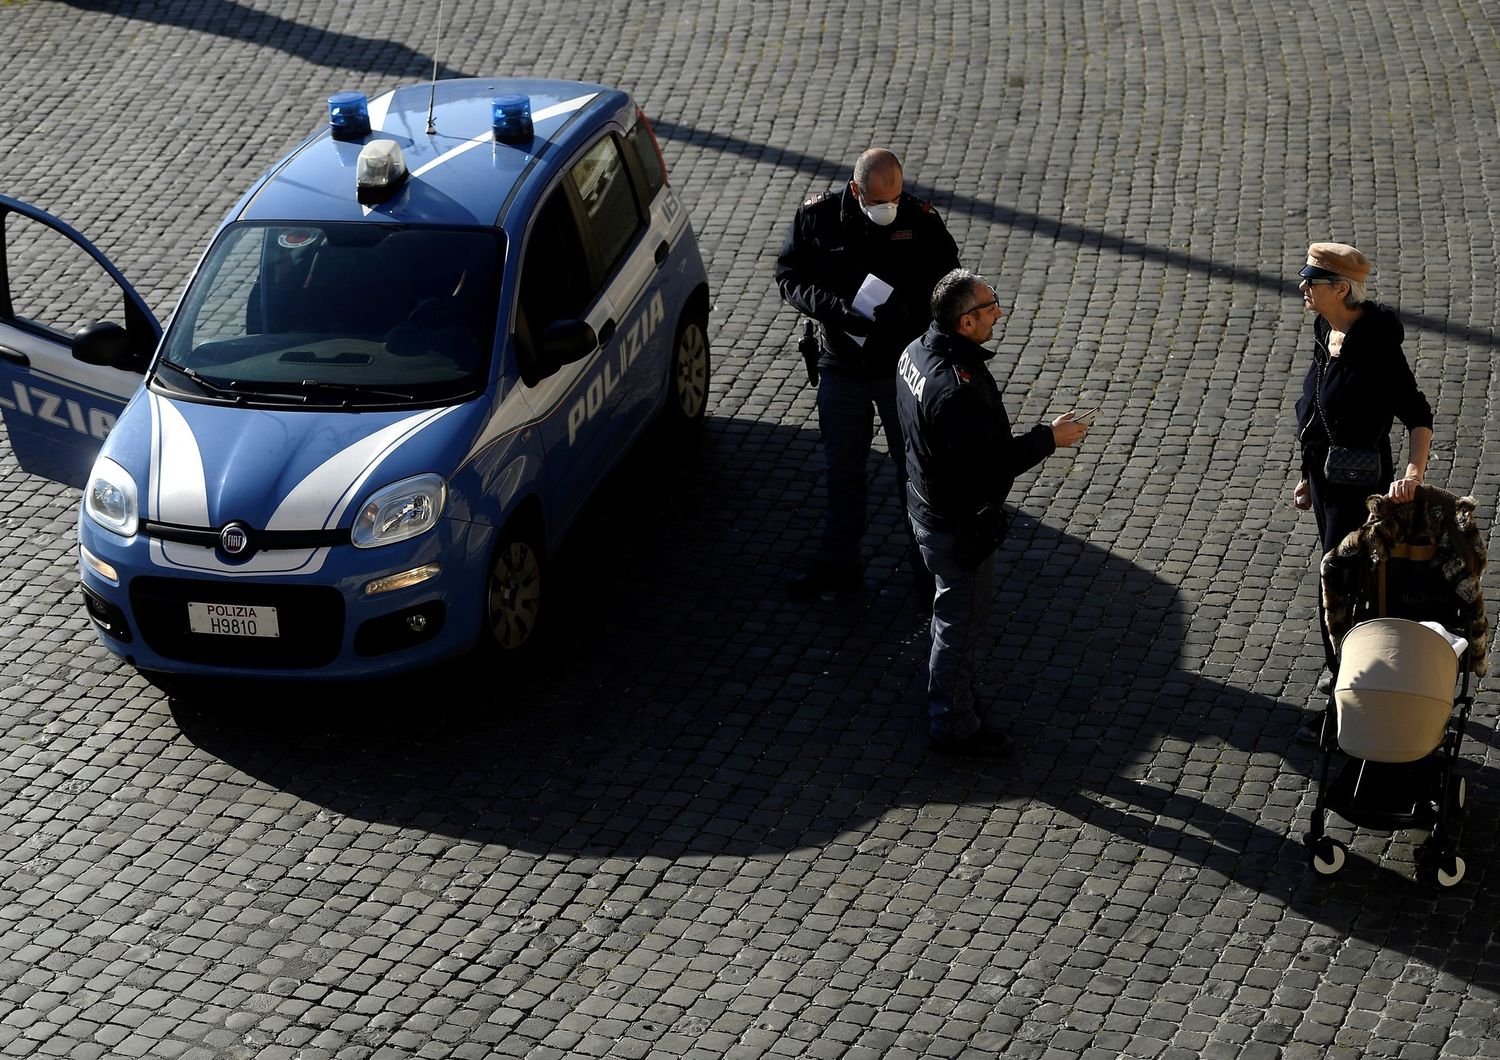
(871,293)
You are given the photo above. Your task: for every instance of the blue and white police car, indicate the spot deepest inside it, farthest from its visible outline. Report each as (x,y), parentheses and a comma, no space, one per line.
(409,354)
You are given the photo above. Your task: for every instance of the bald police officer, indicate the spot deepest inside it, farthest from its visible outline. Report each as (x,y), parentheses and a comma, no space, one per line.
(870,227)
(961,461)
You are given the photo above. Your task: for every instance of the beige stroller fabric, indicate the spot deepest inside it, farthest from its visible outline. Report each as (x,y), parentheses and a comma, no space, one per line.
(1395,690)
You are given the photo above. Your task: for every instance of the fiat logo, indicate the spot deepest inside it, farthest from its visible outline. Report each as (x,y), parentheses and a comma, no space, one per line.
(233,539)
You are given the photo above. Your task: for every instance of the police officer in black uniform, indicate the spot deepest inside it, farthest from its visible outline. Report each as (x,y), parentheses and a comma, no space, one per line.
(868,228)
(961,461)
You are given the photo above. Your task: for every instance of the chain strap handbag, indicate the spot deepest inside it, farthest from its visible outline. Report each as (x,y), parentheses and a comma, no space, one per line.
(1346,465)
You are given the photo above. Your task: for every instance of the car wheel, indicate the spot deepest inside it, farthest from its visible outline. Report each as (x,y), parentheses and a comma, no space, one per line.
(687,398)
(513,593)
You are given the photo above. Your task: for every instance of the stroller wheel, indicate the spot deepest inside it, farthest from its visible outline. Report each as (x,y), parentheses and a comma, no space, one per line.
(1442,867)
(1446,871)
(1451,803)
(1327,856)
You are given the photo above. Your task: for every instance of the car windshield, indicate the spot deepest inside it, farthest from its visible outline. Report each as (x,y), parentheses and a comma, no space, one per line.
(338,314)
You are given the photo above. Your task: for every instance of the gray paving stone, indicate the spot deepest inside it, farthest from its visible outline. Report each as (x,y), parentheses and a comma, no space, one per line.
(705,827)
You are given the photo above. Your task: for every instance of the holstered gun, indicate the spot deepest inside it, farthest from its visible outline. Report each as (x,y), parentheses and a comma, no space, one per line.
(808,344)
(980,534)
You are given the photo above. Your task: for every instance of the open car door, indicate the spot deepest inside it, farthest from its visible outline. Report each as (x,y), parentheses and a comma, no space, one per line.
(75,338)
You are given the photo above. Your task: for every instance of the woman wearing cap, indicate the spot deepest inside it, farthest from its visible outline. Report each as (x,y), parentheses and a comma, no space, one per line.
(1358,383)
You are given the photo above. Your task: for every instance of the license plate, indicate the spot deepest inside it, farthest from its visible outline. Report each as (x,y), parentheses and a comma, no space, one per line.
(233,620)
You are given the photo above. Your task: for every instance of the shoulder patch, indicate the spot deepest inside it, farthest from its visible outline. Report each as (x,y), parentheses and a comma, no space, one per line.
(926,206)
(817,198)
(963,374)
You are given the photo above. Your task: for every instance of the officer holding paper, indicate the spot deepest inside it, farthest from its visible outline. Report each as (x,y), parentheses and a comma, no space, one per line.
(861,260)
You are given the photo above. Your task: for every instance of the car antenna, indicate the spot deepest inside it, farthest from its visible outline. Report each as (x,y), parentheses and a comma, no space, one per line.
(437,42)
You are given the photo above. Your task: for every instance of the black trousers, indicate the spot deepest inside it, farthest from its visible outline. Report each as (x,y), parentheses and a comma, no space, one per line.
(1341,510)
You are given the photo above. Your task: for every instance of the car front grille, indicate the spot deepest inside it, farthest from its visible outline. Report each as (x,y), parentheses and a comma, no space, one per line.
(311,621)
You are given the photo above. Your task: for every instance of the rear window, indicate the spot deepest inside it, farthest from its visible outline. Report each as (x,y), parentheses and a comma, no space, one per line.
(609,205)
(641,142)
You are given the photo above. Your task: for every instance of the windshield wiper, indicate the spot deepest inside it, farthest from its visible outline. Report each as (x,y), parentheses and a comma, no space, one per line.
(302,390)
(201,383)
(310,386)
(306,391)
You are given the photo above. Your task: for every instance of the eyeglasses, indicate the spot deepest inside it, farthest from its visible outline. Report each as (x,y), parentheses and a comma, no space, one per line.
(981,305)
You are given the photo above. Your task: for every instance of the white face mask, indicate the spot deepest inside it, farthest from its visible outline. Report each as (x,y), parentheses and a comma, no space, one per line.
(882,214)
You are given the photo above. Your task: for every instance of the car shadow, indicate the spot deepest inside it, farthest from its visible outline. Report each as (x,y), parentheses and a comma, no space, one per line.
(313,44)
(1051,228)
(684,707)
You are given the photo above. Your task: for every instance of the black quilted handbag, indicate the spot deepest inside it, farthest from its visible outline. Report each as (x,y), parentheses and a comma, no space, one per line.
(1349,466)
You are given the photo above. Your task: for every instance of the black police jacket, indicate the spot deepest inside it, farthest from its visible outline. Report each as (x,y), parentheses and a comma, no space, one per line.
(960,454)
(833,246)
(1366,387)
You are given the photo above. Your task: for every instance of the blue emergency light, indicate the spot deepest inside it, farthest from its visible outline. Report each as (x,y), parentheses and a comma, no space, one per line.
(349,115)
(511,117)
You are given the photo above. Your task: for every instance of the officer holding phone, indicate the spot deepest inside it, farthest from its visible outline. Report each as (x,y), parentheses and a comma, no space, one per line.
(961,460)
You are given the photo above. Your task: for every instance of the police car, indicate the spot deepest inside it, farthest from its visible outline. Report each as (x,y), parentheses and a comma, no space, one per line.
(411,351)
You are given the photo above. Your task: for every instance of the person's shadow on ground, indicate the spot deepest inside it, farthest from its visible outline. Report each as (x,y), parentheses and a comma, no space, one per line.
(685,707)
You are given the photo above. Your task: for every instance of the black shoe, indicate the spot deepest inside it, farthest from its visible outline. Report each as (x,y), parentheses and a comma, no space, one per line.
(1325,683)
(1311,730)
(981,743)
(821,578)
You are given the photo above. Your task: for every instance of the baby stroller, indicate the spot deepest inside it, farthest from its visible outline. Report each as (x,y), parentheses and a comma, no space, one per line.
(1403,605)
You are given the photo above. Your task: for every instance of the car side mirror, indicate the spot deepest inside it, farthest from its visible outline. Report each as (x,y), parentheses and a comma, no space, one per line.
(564,342)
(106,344)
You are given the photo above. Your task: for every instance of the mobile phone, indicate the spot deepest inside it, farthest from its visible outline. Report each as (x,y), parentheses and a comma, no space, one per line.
(1085,416)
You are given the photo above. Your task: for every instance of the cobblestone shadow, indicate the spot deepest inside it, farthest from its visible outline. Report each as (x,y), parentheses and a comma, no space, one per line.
(234,21)
(686,709)
(1098,239)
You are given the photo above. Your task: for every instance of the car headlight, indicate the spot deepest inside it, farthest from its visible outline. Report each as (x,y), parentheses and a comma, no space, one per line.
(400,511)
(110,499)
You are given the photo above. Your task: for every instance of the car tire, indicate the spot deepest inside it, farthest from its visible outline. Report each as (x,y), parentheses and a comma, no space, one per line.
(513,593)
(688,373)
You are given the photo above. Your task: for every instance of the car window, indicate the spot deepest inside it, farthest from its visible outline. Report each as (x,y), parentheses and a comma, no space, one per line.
(639,139)
(231,305)
(54,283)
(349,312)
(555,281)
(609,206)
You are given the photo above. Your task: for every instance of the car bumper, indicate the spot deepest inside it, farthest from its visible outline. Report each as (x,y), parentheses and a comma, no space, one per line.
(327,626)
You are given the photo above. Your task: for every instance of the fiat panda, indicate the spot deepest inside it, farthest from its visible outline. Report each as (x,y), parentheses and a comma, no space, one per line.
(410,353)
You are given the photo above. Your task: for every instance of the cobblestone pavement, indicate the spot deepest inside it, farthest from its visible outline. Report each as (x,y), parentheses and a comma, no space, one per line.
(706,825)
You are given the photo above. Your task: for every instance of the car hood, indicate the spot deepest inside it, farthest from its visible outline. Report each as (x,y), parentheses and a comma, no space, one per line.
(204,465)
